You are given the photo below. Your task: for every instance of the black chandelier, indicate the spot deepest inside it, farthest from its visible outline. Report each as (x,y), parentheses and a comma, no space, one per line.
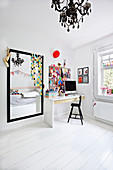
(18,62)
(72,13)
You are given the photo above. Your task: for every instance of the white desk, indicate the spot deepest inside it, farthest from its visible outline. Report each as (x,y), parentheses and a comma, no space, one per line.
(49,106)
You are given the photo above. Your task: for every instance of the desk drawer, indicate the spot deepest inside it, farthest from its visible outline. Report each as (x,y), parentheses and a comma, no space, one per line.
(67,100)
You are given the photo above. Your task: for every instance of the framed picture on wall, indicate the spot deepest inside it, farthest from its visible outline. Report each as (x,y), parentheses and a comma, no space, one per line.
(80,71)
(83,75)
(85,79)
(80,79)
(86,71)
(66,72)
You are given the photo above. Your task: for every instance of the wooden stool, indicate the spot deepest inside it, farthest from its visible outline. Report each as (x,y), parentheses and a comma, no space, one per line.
(77,116)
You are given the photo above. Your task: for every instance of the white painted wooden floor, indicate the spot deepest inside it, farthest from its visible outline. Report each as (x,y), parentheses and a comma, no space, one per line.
(67,147)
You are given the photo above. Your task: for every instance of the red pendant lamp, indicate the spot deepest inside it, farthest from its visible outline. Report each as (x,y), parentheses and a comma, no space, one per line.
(56,54)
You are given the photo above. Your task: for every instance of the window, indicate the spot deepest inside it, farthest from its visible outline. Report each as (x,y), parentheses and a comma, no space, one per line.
(105,73)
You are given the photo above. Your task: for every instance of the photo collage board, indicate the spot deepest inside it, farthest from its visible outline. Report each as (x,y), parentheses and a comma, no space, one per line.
(83,75)
(57,76)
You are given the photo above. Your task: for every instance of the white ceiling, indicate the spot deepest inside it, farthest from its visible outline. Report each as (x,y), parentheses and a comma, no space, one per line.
(37,18)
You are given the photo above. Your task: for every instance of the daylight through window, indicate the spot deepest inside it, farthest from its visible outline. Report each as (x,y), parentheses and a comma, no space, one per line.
(105,73)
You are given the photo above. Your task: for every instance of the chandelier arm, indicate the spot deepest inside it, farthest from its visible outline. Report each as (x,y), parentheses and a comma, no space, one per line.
(59,2)
(56,8)
(62,2)
(80,3)
(81,12)
(76,3)
(60,10)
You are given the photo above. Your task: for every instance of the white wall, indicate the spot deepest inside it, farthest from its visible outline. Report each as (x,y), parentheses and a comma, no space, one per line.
(83,57)
(26,42)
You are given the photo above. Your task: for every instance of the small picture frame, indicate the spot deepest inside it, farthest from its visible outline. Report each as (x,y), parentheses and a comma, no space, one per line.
(80,79)
(80,71)
(86,79)
(86,71)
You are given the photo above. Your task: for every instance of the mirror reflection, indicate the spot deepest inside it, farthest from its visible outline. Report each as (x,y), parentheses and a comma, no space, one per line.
(25,85)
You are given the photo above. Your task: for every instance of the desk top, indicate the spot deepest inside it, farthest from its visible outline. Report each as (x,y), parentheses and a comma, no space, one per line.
(65,97)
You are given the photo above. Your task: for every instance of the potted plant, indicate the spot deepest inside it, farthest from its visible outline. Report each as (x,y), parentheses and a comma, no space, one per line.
(111,91)
(104,90)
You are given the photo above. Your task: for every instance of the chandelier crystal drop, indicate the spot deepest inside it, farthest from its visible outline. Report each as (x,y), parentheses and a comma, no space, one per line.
(72,13)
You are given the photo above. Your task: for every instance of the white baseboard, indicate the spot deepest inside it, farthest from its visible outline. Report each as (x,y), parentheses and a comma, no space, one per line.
(22,123)
(104,121)
(92,117)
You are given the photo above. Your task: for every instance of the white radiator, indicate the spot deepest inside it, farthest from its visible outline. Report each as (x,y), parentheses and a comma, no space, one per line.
(103,110)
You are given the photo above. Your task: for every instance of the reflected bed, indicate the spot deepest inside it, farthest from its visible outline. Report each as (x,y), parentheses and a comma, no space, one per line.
(25,103)
(17,100)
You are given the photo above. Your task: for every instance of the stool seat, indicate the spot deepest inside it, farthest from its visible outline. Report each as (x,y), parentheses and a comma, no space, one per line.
(76,116)
(75,104)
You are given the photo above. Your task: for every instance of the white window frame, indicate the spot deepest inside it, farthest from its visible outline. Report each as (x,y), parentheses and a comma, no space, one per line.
(106,67)
(97,70)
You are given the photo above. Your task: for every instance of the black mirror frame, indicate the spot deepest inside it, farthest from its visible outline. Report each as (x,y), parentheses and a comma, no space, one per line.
(8,90)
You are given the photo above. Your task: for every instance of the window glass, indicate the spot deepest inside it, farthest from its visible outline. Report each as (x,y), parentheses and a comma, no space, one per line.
(105,57)
(105,63)
(111,56)
(108,78)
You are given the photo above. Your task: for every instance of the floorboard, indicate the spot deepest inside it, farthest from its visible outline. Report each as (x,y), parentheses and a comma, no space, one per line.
(68,146)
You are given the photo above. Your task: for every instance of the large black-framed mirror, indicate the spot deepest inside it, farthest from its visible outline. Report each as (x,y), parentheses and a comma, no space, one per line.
(24,85)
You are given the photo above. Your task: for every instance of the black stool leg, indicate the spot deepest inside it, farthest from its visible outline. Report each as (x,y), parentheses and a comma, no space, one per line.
(80,112)
(70,114)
